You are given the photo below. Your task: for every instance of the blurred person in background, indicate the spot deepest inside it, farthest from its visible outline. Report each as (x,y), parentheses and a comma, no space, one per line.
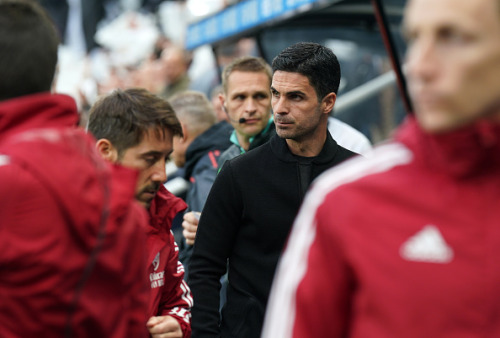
(76,21)
(217,104)
(175,64)
(71,247)
(197,151)
(405,243)
(135,128)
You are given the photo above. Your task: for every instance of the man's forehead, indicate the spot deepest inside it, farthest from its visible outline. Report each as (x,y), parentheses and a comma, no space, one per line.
(290,82)
(238,79)
(157,139)
(462,13)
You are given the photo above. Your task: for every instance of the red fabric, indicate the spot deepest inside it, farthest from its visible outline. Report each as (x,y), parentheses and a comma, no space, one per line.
(53,197)
(169,293)
(403,244)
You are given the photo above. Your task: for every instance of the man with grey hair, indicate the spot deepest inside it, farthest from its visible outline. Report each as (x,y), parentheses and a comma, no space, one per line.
(196,153)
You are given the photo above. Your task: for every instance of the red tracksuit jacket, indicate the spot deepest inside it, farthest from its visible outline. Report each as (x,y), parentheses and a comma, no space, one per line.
(405,243)
(169,293)
(71,239)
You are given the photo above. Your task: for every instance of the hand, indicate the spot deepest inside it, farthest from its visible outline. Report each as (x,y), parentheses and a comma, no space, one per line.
(190,225)
(163,327)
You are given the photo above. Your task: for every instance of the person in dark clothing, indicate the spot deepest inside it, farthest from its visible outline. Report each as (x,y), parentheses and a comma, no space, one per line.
(91,13)
(255,197)
(197,151)
(246,101)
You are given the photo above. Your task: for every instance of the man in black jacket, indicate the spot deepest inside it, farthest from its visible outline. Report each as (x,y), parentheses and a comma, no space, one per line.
(255,197)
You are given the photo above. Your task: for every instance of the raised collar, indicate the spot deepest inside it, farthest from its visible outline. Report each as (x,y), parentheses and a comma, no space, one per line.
(466,152)
(42,110)
(281,150)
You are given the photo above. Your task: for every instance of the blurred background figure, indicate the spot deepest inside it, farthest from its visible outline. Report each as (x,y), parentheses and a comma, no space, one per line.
(197,151)
(217,104)
(175,62)
(71,245)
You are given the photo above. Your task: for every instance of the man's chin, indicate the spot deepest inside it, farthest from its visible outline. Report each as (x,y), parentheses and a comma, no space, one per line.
(145,199)
(439,122)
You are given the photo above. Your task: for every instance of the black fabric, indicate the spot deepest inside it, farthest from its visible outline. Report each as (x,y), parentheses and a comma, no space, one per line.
(258,140)
(93,12)
(246,219)
(216,137)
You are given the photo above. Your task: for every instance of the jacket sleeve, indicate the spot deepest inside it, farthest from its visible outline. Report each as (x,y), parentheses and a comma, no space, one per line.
(307,299)
(138,288)
(176,300)
(202,180)
(215,237)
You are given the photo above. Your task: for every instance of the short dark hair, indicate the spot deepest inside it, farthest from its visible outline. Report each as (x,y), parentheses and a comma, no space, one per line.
(318,63)
(251,64)
(28,49)
(124,117)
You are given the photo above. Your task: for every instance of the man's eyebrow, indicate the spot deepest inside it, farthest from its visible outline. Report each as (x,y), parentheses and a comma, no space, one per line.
(293,92)
(155,153)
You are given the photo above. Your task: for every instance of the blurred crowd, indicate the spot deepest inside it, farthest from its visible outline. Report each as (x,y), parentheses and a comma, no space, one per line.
(131,43)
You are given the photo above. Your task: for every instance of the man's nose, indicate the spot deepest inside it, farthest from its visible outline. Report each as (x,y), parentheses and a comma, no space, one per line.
(421,59)
(159,174)
(250,105)
(279,105)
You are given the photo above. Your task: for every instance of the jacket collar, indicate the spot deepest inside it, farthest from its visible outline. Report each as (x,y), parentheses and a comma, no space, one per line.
(42,110)
(466,152)
(163,209)
(281,150)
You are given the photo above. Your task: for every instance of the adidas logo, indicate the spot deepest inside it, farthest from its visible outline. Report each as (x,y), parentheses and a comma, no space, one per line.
(427,245)
(4,160)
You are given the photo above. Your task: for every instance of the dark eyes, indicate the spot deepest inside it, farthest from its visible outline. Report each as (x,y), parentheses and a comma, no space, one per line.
(151,160)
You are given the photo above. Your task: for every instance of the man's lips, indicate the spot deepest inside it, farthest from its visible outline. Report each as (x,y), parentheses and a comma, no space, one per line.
(251,121)
(282,122)
(150,190)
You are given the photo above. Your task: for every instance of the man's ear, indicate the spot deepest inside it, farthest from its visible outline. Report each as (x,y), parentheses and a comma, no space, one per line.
(185,133)
(222,100)
(328,102)
(107,150)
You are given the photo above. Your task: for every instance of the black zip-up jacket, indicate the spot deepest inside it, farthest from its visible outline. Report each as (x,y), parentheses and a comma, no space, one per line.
(246,221)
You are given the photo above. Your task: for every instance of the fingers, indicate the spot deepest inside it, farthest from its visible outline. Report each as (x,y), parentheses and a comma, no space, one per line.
(192,217)
(164,327)
(190,226)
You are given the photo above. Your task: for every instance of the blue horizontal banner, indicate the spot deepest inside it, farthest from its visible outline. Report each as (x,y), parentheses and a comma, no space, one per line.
(238,18)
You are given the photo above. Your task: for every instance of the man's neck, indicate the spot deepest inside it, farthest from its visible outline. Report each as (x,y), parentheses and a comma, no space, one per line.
(244,141)
(308,148)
